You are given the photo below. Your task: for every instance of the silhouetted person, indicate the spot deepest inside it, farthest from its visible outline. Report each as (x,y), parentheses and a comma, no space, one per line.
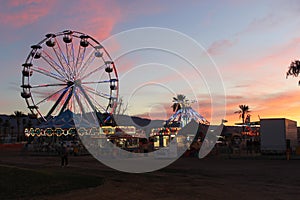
(64,155)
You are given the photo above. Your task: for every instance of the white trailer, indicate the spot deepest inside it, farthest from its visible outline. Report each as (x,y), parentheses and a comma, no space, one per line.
(278,134)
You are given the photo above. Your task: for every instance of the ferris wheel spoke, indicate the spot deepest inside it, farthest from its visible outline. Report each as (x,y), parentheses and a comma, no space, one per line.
(73,60)
(47,73)
(82,102)
(57,67)
(70,57)
(92,72)
(94,82)
(50,96)
(59,53)
(57,102)
(61,58)
(69,47)
(79,103)
(95,119)
(90,103)
(96,102)
(86,64)
(99,105)
(103,95)
(87,98)
(67,100)
(80,58)
(49,85)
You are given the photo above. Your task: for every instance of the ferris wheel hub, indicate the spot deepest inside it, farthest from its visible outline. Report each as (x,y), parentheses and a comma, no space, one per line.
(77,82)
(70,83)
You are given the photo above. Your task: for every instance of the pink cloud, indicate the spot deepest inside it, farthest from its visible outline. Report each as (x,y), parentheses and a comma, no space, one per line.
(280,55)
(19,13)
(170,78)
(272,63)
(165,111)
(135,8)
(98,18)
(160,113)
(94,17)
(262,24)
(124,65)
(280,101)
(280,105)
(220,46)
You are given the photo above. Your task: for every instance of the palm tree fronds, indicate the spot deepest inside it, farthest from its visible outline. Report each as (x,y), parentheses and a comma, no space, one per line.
(244,109)
(294,69)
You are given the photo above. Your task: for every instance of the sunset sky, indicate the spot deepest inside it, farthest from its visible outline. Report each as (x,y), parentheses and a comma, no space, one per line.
(251,43)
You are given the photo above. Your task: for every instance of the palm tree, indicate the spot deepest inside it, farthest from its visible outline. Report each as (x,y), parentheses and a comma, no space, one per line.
(18,116)
(244,109)
(294,69)
(179,101)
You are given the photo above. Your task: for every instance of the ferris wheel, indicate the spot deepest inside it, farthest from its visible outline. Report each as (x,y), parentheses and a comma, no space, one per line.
(69,70)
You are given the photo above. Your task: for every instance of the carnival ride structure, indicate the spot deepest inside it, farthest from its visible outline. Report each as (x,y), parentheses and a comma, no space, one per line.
(69,70)
(184,115)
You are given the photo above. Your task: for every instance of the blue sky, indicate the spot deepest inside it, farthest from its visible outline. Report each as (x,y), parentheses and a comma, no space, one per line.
(251,42)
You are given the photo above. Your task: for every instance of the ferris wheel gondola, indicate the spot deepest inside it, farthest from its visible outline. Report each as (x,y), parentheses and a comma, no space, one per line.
(69,70)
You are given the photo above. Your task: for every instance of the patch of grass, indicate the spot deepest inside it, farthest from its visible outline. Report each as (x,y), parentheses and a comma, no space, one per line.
(21,183)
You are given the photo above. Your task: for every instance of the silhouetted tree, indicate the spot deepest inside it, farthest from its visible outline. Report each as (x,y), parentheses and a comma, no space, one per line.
(294,69)
(18,116)
(244,109)
(178,102)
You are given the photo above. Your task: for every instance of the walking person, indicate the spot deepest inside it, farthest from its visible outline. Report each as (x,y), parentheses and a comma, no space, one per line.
(64,155)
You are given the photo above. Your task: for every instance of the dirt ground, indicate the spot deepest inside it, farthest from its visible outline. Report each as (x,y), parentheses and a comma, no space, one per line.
(187,178)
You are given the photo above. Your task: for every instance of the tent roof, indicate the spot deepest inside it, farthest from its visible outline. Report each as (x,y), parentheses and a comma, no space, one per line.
(64,120)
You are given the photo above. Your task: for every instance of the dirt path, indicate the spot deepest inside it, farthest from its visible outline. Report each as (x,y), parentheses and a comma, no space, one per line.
(187,178)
